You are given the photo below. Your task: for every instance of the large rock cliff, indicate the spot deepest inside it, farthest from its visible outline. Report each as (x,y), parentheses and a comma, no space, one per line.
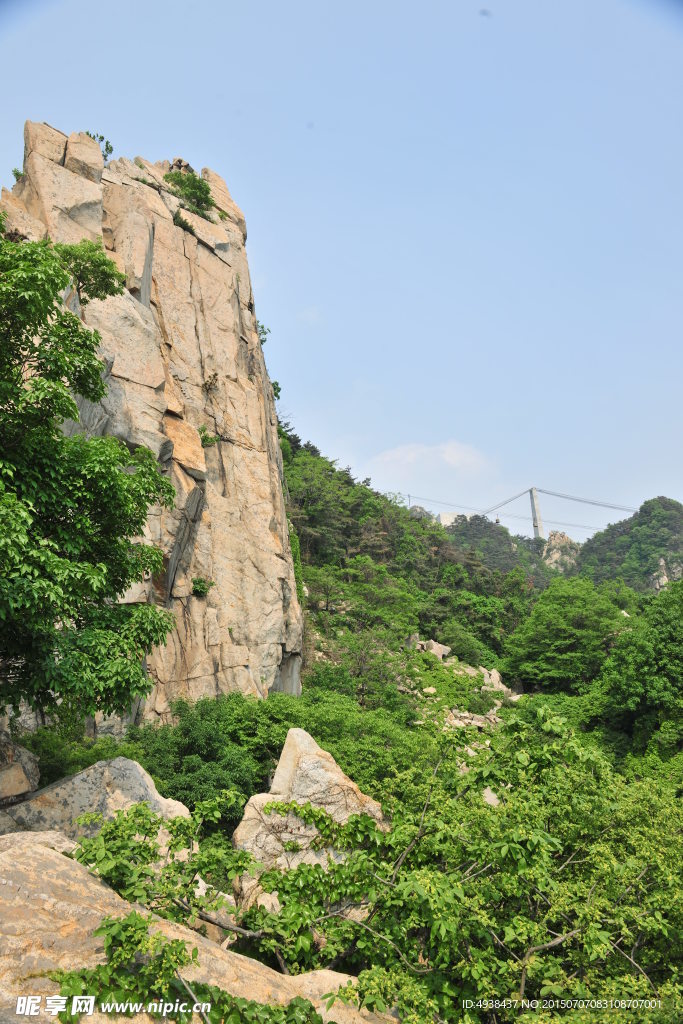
(182,352)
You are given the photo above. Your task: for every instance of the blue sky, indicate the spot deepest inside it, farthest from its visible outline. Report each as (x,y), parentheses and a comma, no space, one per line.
(464,227)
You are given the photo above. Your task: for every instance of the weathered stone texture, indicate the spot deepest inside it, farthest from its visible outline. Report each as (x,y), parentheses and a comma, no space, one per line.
(50,906)
(19,773)
(105,788)
(181,351)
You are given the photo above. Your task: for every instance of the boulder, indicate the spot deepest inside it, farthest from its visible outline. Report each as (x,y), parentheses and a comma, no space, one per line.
(493,683)
(50,906)
(46,140)
(440,651)
(8,824)
(457,719)
(305,774)
(13,781)
(490,797)
(105,787)
(84,156)
(52,839)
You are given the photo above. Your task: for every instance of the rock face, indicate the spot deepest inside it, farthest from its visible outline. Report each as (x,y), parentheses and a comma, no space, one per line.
(666,573)
(305,774)
(560,551)
(105,787)
(49,907)
(181,352)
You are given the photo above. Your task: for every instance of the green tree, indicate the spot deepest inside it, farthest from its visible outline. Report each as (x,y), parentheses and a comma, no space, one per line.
(69,506)
(562,890)
(643,678)
(566,639)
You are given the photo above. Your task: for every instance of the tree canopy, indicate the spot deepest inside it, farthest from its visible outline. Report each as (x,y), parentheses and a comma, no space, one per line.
(566,638)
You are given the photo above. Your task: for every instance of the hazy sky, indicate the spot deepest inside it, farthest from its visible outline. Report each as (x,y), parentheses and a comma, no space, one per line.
(465,224)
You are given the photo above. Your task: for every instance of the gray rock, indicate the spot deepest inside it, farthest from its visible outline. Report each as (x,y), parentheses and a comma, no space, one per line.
(105,787)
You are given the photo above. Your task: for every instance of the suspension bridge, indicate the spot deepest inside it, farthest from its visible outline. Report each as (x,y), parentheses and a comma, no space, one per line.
(536,518)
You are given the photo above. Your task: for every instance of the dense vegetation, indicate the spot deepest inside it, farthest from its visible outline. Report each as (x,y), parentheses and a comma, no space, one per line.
(498,549)
(562,884)
(632,549)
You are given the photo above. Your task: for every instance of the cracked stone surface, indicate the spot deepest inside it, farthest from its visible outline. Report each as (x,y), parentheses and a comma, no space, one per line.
(181,352)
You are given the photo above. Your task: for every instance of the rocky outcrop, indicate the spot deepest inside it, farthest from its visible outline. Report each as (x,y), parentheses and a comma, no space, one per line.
(439,651)
(104,788)
(560,551)
(305,774)
(181,352)
(50,906)
(493,683)
(666,573)
(457,719)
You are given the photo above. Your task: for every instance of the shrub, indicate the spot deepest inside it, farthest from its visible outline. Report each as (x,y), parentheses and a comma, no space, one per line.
(201,587)
(193,192)
(105,144)
(180,222)
(208,440)
(262,332)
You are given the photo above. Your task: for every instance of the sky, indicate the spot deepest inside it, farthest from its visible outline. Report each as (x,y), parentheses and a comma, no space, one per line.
(464,218)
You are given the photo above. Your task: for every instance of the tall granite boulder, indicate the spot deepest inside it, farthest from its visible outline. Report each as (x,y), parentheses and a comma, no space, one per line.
(306,774)
(182,352)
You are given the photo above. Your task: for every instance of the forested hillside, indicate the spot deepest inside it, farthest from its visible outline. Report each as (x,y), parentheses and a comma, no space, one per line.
(645,550)
(499,549)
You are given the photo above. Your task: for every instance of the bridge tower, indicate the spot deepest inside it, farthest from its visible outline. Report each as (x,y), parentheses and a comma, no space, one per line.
(536,514)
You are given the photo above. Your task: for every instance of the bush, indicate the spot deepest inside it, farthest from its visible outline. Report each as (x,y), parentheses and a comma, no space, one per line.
(201,587)
(193,192)
(180,222)
(565,641)
(208,440)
